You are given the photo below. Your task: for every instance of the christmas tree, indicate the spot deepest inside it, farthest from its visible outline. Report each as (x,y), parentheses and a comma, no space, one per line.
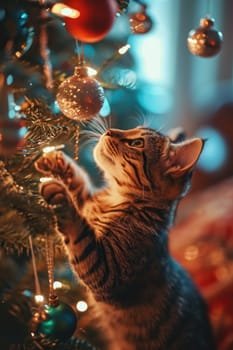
(35,70)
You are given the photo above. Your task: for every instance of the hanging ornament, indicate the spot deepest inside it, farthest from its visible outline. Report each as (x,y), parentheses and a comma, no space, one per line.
(16,35)
(94,21)
(56,321)
(140,22)
(80,96)
(205,41)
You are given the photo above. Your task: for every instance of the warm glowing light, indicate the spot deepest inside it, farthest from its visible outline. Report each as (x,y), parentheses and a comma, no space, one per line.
(45,179)
(39,298)
(52,148)
(57,285)
(215,152)
(191,253)
(61,9)
(91,71)
(81,306)
(122,50)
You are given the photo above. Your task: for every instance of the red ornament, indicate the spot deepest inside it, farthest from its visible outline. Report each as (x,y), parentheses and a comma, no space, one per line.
(12,132)
(95,19)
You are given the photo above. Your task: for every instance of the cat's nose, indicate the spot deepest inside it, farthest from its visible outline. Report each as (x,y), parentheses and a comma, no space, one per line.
(113,132)
(109,132)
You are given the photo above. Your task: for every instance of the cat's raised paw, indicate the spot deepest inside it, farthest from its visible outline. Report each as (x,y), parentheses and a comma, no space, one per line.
(53,192)
(51,163)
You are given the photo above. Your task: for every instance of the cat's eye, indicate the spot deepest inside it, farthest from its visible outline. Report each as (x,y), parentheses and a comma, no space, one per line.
(136,142)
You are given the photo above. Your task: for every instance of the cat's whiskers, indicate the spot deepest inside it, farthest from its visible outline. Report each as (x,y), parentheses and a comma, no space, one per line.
(138,118)
(93,131)
(99,124)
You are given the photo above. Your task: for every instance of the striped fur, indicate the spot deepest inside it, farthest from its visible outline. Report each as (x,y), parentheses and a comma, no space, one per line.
(116,238)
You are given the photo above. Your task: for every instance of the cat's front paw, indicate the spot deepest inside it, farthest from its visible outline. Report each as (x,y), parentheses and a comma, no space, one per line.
(51,163)
(54,192)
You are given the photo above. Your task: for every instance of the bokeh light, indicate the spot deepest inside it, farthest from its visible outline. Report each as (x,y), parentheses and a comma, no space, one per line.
(214,154)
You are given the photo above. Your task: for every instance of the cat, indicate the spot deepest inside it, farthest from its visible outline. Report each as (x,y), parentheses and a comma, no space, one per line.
(116,237)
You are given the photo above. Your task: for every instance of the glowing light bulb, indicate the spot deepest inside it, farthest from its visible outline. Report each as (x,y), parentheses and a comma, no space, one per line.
(45,179)
(57,285)
(48,149)
(61,9)
(81,306)
(91,71)
(39,298)
(122,50)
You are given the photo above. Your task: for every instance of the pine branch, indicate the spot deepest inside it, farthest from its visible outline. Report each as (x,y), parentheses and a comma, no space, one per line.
(44,126)
(22,213)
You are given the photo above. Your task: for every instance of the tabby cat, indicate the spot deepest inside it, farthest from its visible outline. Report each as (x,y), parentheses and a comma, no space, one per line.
(117,237)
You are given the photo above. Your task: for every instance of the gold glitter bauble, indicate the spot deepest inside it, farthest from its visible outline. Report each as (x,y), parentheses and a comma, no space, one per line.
(205,41)
(80,96)
(140,22)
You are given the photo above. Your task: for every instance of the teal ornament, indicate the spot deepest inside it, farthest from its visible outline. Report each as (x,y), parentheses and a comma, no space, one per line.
(60,322)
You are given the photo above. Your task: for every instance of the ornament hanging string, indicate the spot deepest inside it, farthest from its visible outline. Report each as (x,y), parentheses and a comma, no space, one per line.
(81,60)
(47,68)
(80,52)
(37,282)
(208,8)
(76,145)
(53,299)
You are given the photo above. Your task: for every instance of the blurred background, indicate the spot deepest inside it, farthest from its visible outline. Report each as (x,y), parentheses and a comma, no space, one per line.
(181,89)
(171,86)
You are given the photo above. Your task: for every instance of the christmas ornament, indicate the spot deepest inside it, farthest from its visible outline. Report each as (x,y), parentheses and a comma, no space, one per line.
(16,35)
(140,22)
(56,322)
(205,41)
(94,21)
(80,96)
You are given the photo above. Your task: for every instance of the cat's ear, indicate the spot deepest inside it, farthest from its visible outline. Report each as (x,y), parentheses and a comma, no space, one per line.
(184,156)
(176,134)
